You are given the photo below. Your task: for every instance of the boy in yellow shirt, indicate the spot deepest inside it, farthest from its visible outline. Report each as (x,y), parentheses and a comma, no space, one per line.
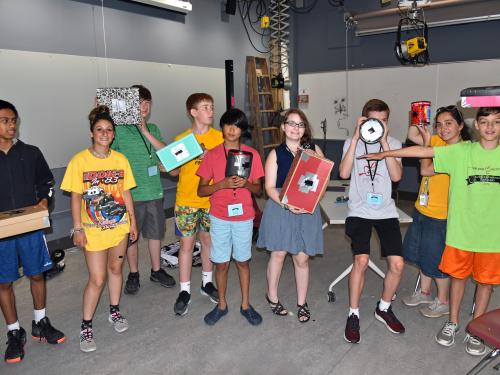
(191,211)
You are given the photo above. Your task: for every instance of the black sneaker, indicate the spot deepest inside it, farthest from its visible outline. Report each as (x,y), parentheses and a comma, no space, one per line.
(15,345)
(182,302)
(351,333)
(163,278)
(132,285)
(43,331)
(210,291)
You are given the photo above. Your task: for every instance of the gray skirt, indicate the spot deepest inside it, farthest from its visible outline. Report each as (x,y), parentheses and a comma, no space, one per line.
(282,230)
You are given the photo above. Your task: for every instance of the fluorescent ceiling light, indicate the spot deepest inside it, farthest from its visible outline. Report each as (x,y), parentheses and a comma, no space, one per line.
(182,6)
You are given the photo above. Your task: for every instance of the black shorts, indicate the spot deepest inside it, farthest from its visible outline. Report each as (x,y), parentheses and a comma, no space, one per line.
(359,230)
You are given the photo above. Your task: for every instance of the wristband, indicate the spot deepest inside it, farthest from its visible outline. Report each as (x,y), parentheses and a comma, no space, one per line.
(73,230)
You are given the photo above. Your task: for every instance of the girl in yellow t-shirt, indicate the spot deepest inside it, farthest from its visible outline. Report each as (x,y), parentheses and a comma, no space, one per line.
(100,180)
(424,241)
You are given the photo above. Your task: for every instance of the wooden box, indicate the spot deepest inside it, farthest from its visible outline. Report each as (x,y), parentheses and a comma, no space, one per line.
(179,152)
(23,220)
(306,181)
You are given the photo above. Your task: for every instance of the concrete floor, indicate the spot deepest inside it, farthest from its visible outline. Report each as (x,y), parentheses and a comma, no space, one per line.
(158,342)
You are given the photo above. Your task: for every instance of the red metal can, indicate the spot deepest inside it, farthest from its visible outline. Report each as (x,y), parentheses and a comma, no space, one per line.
(421,113)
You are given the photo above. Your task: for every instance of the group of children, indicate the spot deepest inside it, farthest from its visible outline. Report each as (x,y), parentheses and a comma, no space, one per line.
(116,195)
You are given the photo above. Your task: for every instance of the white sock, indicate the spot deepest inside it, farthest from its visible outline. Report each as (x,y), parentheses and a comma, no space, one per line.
(206,277)
(186,286)
(354,311)
(39,315)
(383,306)
(13,326)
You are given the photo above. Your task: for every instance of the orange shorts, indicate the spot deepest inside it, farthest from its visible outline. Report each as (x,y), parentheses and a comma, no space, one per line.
(485,267)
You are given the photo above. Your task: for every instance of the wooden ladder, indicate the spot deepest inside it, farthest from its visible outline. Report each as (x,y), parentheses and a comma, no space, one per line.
(262,106)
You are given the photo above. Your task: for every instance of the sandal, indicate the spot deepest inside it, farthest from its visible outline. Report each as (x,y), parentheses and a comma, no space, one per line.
(276,307)
(303,312)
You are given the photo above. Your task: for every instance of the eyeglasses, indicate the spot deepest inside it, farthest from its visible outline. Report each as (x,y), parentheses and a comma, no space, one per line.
(206,107)
(450,108)
(6,120)
(293,124)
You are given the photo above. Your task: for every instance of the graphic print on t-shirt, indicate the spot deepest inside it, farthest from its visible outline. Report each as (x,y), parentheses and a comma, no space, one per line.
(104,203)
(486,174)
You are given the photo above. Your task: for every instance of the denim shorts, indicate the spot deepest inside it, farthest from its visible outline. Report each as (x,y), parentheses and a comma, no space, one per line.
(230,238)
(424,244)
(30,249)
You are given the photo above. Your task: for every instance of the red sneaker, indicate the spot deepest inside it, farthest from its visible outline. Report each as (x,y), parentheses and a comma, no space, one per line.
(389,319)
(351,333)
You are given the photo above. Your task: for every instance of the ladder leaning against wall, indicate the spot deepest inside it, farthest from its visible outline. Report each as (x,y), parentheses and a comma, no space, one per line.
(263,111)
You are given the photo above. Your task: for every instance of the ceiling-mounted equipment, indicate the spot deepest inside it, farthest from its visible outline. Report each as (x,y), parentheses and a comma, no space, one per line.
(412,36)
(182,6)
(279,41)
(412,3)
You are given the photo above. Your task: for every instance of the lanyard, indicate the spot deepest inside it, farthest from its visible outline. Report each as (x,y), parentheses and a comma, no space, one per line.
(225,153)
(372,176)
(148,149)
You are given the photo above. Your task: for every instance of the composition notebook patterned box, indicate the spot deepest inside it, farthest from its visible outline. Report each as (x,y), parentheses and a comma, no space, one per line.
(23,220)
(306,181)
(179,152)
(122,102)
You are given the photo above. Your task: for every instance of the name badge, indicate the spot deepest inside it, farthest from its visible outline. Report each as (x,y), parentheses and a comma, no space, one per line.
(153,170)
(374,198)
(423,199)
(235,209)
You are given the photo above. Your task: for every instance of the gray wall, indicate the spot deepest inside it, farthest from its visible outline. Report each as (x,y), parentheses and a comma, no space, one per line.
(205,37)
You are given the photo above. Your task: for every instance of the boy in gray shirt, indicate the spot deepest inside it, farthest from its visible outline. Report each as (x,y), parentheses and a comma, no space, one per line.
(371,206)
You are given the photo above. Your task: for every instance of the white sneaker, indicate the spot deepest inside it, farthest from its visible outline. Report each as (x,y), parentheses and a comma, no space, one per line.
(446,336)
(120,324)
(87,343)
(436,309)
(474,346)
(417,298)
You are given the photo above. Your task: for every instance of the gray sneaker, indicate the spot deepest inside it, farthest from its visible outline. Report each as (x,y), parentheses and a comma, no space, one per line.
(120,324)
(87,343)
(446,336)
(474,346)
(436,309)
(417,298)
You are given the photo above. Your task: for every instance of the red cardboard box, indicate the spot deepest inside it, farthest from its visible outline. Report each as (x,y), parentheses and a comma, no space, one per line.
(23,220)
(306,181)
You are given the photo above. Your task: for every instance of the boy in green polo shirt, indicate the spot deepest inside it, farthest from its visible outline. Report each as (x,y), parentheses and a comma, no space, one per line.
(139,143)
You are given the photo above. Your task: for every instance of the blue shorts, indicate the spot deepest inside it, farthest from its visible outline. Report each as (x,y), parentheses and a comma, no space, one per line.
(424,244)
(29,248)
(230,238)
